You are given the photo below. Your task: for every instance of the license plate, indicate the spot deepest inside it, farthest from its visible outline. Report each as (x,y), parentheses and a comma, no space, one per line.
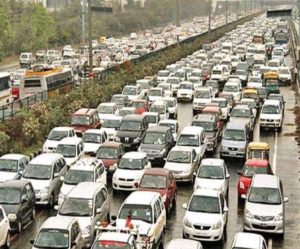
(232,153)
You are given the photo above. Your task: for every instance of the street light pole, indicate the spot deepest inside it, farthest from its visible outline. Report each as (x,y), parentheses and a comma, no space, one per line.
(177,20)
(90,37)
(209,16)
(226,11)
(83,11)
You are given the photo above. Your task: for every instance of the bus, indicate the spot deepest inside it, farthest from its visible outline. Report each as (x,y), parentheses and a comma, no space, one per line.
(54,81)
(4,85)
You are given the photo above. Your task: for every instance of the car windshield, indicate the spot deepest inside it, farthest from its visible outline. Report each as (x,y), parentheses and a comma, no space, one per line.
(163,73)
(35,171)
(250,171)
(131,164)
(207,126)
(153,181)
(76,207)
(171,103)
(172,126)
(202,94)
(222,103)
(243,113)
(250,95)
(241,72)
(67,150)
(179,157)
(80,120)
(123,112)
(10,196)
(186,86)
(188,140)
(92,138)
(111,123)
(210,172)
(284,71)
(230,88)
(74,177)
(52,238)
(130,126)
(107,153)
(270,109)
(160,109)
(57,135)
(105,109)
(264,196)
(212,84)
(136,212)
(154,138)
(107,244)
(173,81)
(119,100)
(129,91)
(234,135)
(8,165)
(155,92)
(273,64)
(138,104)
(204,204)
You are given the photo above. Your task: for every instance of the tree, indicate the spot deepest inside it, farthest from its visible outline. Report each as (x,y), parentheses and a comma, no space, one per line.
(5,27)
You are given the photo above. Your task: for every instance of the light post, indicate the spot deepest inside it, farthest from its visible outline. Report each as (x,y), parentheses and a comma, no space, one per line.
(177,20)
(83,17)
(90,37)
(209,16)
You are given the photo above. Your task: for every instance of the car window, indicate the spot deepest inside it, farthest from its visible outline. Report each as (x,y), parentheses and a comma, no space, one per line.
(60,165)
(1,215)
(99,200)
(74,233)
(104,193)
(29,190)
(222,202)
(100,170)
(57,168)
(157,208)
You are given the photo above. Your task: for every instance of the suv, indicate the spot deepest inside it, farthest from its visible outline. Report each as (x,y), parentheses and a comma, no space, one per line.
(132,128)
(89,203)
(206,216)
(157,142)
(85,119)
(235,140)
(147,211)
(12,166)
(59,232)
(271,115)
(203,96)
(26,60)
(264,207)
(18,200)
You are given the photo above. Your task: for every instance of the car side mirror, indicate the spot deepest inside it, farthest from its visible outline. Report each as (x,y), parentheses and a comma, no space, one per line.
(62,178)
(184,206)
(225,210)
(21,172)
(55,175)
(56,207)
(31,241)
(243,196)
(239,172)
(227,176)
(285,199)
(24,200)
(98,211)
(73,243)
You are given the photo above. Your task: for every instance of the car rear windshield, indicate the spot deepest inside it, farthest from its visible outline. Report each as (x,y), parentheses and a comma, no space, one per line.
(136,212)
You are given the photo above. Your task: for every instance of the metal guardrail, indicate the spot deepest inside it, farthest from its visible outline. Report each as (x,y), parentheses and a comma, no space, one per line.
(295,43)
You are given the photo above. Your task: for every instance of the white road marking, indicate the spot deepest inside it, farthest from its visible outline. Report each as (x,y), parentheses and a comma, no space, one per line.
(275,153)
(270,243)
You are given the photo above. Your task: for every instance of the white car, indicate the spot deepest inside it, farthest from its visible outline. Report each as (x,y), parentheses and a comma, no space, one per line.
(155,94)
(183,162)
(153,118)
(255,82)
(55,136)
(213,174)
(225,108)
(172,106)
(71,149)
(285,76)
(162,75)
(161,108)
(92,139)
(271,115)
(233,88)
(106,110)
(274,64)
(133,92)
(111,126)
(85,170)
(203,96)
(12,166)
(206,216)
(4,229)
(256,70)
(185,91)
(130,170)
(167,89)
(183,243)
(248,240)
(173,124)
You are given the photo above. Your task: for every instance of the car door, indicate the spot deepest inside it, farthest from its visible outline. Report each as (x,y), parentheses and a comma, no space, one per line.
(157,222)
(171,187)
(25,209)
(101,174)
(4,226)
(76,236)
(223,207)
(30,197)
(202,143)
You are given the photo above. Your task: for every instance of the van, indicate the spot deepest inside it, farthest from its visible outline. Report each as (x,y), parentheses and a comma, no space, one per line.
(89,203)
(26,60)
(58,232)
(194,137)
(145,210)
(271,115)
(71,148)
(44,172)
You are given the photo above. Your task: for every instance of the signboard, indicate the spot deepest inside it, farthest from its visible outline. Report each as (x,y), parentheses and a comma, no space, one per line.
(102,9)
(279,13)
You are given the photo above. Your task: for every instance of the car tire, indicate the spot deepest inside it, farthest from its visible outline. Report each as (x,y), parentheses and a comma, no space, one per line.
(7,241)
(51,200)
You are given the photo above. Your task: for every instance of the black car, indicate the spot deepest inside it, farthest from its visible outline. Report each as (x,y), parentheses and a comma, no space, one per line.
(17,197)
(131,131)
(157,142)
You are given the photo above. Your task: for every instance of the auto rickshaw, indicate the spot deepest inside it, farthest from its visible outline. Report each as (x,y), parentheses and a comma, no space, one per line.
(258,150)
(271,82)
(251,93)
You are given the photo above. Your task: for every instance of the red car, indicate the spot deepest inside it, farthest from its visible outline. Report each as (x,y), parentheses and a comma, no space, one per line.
(161,181)
(110,153)
(141,106)
(252,167)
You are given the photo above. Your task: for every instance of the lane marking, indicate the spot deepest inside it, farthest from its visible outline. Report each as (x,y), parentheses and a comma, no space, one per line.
(39,213)
(275,153)
(270,243)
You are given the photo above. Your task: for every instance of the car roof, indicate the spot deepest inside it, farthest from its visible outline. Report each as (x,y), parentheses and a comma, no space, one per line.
(235,126)
(85,111)
(265,181)
(209,117)
(159,129)
(111,144)
(141,197)
(257,162)
(212,162)
(13,156)
(134,155)
(94,131)
(62,128)
(58,222)
(247,240)
(206,192)
(107,104)
(70,140)
(271,102)
(157,171)
(168,121)
(150,114)
(191,130)
(133,117)
(46,159)
(84,190)
(14,183)
(183,243)
(182,148)
(113,236)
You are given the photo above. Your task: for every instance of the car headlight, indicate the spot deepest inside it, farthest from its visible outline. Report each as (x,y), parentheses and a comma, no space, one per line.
(224,148)
(279,217)
(187,223)
(137,140)
(44,191)
(117,139)
(164,198)
(114,166)
(12,217)
(242,186)
(217,225)
(241,149)
(86,232)
(162,152)
(248,214)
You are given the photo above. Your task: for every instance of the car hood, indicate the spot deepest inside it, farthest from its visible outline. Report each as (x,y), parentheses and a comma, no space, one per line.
(196,148)
(129,134)
(5,176)
(103,116)
(210,134)
(202,100)
(270,116)
(70,160)
(162,192)
(263,209)
(177,166)
(83,221)
(239,120)
(110,131)
(38,184)
(66,188)
(203,218)
(234,144)
(217,184)
(109,162)
(11,209)
(132,174)
(143,227)
(51,144)
(281,75)
(91,147)
(184,91)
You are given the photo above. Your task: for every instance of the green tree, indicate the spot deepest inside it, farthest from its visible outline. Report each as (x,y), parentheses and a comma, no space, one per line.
(5,27)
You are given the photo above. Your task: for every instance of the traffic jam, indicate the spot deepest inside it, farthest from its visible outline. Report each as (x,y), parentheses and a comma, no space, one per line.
(184,159)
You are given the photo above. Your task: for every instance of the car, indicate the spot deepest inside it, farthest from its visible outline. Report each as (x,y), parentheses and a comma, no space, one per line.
(131,131)
(162,75)
(233,88)
(213,174)
(161,108)
(203,96)
(44,172)
(85,119)
(251,104)
(161,181)
(146,211)
(243,76)
(85,170)
(133,92)
(185,92)
(71,148)
(249,241)
(172,106)
(174,81)
(285,75)
(153,118)
(254,82)
(265,205)
(155,94)
(251,167)
(224,105)
(215,87)
(183,244)
(89,203)
(128,110)
(183,162)
(130,171)
(279,97)
(58,232)
(12,166)
(17,198)
(92,139)
(173,124)
(235,140)
(106,110)
(243,114)
(5,232)
(141,105)
(120,99)
(271,115)
(110,126)
(55,136)
(110,154)
(206,216)
(156,143)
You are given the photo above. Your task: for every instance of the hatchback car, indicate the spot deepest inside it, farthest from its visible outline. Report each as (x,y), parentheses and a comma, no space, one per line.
(92,139)
(106,110)
(248,241)
(185,92)
(71,148)
(183,244)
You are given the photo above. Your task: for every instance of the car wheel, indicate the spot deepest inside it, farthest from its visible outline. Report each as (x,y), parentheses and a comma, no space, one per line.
(7,241)
(51,201)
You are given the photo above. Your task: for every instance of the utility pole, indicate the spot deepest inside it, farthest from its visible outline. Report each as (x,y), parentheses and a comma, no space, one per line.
(209,16)
(298,2)
(226,11)
(177,20)
(83,12)
(90,37)
(237,10)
